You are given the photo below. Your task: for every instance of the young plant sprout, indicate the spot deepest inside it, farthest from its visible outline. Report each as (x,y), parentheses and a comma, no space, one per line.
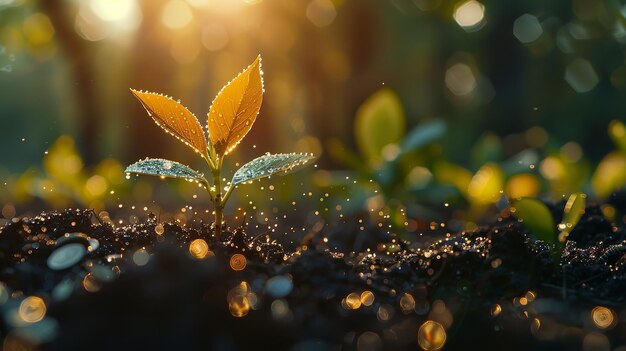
(537,219)
(229,119)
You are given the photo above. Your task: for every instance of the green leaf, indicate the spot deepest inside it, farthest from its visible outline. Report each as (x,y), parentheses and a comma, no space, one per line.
(380,121)
(574,209)
(610,174)
(423,135)
(536,217)
(164,168)
(268,165)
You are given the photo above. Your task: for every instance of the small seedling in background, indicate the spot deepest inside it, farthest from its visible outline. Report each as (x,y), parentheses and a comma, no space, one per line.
(537,218)
(230,118)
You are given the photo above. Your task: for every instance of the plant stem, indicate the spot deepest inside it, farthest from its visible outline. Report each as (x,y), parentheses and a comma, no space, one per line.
(217,199)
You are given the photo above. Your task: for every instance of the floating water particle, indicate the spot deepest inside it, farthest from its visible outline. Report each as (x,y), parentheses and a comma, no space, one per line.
(280,309)
(496,310)
(527,28)
(595,341)
(279,286)
(159,229)
(581,76)
(238,303)
(431,336)
(238,262)
(32,309)
(103,273)
(460,79)
(141,257)
(63,290)
(199,248)
(470,15)
(369,341)
(66,256)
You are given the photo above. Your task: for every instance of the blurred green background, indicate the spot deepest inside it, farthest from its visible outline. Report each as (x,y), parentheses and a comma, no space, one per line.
(518,96)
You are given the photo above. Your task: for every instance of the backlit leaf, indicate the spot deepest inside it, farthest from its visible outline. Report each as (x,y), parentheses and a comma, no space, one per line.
(574,209)
(164,168)
(380,121)
(174,118)
(536,217)
(610,174)
(617,131)
(268,165)
(423,135)
(486,185)
(448,173)
(235,108)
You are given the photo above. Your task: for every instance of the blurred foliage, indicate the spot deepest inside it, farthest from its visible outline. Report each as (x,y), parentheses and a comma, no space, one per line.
(413,171)
(64,181)
(479,99)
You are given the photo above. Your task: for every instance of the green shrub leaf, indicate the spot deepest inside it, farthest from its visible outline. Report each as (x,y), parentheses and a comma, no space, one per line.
(536,217)
(617,132)
(610,174)
(268,165)
(380,121)
(423,135)
(164,168)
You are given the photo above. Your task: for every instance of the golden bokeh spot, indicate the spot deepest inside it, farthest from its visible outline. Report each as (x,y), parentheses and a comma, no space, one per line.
(353,301)
(199,248)
(90,283)
(496,310)
(407,303)
(159,229)
(603,318)
(431,336)
(367,298)
(238,305)
(238,300)
(32,309)
(607,210)
(384,313)
(238,262)
(535,325)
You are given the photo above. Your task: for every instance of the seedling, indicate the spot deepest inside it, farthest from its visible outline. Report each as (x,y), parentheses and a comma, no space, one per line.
(537,218)
(230,118)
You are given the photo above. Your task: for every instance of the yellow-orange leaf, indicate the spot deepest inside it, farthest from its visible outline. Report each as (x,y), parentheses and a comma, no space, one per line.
(235,108)
(174,118)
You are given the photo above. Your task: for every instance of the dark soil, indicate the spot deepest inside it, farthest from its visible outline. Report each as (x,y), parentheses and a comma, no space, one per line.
(178,302)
